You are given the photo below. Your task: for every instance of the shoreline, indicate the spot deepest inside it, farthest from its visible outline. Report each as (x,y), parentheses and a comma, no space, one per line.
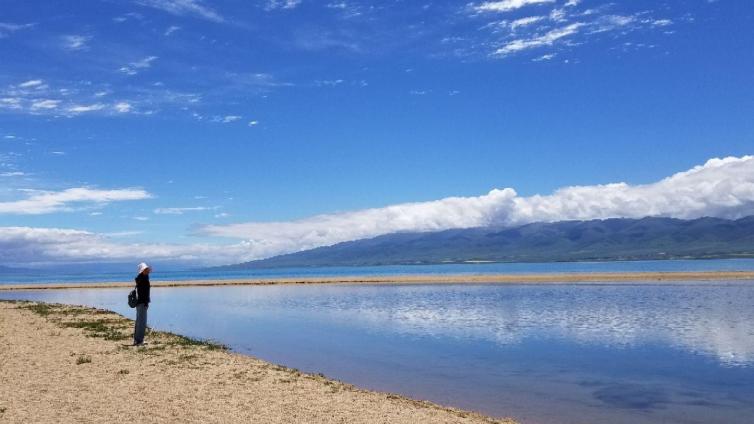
(65,363)
(545,278)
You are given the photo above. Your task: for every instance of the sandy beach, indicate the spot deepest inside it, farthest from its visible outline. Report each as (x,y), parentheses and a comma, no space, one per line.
(74,364)
(549,278)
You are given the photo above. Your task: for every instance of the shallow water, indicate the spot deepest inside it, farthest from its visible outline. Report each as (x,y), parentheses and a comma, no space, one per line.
(31,276)
(661,353)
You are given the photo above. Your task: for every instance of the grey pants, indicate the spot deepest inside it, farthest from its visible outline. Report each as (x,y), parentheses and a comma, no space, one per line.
(141,323)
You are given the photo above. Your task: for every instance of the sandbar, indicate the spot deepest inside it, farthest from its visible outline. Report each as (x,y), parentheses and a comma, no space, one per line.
(544,278)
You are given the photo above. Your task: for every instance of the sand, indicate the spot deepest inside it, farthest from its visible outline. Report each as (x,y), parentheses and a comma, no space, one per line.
(65,364)
(548,278)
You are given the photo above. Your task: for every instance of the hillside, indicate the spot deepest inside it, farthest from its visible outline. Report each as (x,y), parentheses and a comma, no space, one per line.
(610,239)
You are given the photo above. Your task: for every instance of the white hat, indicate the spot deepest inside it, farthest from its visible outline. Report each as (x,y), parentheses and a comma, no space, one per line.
(141,267)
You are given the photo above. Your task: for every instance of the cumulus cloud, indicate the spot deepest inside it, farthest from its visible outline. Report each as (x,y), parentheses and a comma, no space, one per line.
(41,202)
(195,8)
(720,187)
(39,246)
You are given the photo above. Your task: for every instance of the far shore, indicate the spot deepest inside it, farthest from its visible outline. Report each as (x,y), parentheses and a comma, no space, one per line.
(546,278)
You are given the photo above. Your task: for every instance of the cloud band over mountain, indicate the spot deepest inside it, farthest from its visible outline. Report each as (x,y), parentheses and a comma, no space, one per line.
(720,188)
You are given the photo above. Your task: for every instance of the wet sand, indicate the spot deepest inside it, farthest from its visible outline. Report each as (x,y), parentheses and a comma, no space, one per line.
(69,364)
(549,278)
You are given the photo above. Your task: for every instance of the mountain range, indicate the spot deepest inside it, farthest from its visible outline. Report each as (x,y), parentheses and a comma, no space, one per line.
(593,240)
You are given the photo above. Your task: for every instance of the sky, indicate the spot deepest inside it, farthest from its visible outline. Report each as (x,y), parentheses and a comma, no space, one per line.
(206,133)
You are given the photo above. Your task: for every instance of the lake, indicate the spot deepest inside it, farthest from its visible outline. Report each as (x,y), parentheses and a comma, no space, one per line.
(627,353)
(127,273)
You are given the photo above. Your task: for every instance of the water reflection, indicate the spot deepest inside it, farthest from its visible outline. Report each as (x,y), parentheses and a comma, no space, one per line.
(716,321)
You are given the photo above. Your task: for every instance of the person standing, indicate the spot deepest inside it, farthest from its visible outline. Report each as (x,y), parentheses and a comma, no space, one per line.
(142,302)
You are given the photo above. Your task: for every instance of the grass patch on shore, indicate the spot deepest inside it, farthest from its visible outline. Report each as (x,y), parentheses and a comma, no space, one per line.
(83,360)
(111,326)
(103,328)
(183,341)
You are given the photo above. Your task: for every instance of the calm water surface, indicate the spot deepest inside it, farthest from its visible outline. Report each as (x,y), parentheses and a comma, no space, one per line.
(31,276)
(665,353)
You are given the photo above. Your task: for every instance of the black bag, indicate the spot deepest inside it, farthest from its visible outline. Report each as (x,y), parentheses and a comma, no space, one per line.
(132,299)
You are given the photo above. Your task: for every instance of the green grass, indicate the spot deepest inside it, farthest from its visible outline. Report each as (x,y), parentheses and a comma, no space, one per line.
(111,328)
(103,328)
(83,360)
(42,309)
(183,341)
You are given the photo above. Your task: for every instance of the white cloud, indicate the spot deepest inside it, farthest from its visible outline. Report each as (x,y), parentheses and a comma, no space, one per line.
(45,104)
(611,22)
(32,84)
(281,4)
(42,202)
(181,211)
(11,103)
(122,107)
(6,29)
(171,29)
(76,42)
(553,24)
(134,68)
(660,22)
(720,187)
(507,5)
(230,118)
(12,174)
(85,108)
(544,57)
(253,123)
(522,22)
(546,39)
(195,8)
(27,245)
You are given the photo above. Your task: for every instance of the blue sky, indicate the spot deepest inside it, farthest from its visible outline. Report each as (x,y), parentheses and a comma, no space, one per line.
(181,128)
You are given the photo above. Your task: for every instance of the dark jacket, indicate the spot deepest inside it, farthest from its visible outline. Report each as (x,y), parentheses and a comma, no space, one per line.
(142,289)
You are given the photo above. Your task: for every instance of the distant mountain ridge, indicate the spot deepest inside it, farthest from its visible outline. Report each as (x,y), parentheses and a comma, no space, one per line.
(609,239)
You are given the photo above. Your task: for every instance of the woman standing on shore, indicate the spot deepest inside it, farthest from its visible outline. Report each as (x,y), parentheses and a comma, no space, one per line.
(142,302)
